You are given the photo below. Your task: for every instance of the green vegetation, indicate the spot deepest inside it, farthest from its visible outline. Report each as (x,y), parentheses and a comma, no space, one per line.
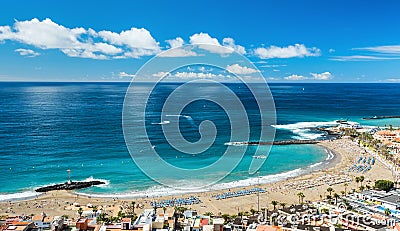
(274,203)
(385,185)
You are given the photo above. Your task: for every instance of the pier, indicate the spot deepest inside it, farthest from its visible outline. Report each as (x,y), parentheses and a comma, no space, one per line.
(70,185)
(280,142)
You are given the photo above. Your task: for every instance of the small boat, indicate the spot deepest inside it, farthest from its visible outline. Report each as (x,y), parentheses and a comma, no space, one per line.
(260,157)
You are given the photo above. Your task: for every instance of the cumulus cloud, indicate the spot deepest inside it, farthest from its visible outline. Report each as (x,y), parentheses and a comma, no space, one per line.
(190,75)
(206,42)
(314,76)
(177,49)
(295,77)
(123,74)
(138,41)
(80,42)
(297,50)
(177,42)
(229,42)
(27,52)
(322,76)
(240,70)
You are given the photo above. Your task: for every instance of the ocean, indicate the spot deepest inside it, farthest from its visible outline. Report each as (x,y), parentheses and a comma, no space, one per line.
(47,128)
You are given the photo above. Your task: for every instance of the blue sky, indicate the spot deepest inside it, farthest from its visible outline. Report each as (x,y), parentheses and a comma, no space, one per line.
(309,41)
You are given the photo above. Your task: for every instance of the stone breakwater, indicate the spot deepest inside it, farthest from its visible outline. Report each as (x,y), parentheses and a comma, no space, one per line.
(70,186)
(280,142)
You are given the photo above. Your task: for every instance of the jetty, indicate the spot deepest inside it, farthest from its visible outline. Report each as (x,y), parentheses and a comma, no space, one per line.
(381,117)
(70,185)
(279,142)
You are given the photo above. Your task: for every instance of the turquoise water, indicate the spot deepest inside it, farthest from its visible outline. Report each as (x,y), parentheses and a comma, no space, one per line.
(47,128)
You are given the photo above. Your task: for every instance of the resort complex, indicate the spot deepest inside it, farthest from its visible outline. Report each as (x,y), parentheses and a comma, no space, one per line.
(357,190)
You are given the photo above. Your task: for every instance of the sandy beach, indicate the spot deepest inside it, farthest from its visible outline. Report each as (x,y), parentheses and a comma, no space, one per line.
(312,184)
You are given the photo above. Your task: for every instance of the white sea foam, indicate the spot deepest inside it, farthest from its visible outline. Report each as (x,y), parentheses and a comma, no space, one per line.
(157,191)
(18,196)
(106,182)
(306,130)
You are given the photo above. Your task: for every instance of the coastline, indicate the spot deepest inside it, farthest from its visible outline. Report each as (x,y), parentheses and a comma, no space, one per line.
(342,153)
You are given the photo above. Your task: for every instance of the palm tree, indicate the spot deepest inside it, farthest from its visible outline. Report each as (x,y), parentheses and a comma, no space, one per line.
(252,211)
(387,212)
(274,203)
(133,203)
(301,196)
(121,214)
(357,180)
(227,218)
(80,211)
(345,188)
(330,190)
(362,188)
(155,209)
(283,205)
(361,179)
(336,196)
(208,214)
(94,209)
(164,209)
(343,193)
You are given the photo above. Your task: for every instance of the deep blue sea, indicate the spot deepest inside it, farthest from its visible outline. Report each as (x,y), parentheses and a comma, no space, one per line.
(47,128)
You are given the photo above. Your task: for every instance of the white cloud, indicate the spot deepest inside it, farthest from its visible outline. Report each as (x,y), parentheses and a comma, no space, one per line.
(206,42)
(394,49)
(190,75)
(361,58)
(322,76)
(177,42)
(240,70)
(297,50)
(177,49)
(134,38)
(80,42)
(295,77)
(331,50)
(274,65)
(27,52)
(123,74)
(230,42)
(394,80)
(314,76)
(161,74)
(195,75)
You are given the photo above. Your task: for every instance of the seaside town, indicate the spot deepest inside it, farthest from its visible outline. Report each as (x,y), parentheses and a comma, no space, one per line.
(357,192)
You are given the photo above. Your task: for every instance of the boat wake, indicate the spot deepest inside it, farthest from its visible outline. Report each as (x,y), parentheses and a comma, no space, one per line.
(162,122)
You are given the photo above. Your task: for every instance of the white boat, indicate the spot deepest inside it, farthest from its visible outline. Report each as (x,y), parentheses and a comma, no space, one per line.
(260,157)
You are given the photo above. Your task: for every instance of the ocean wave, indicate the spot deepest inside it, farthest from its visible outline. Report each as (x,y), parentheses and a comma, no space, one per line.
(306,130)
(105,185)
(19,196)
(158,191)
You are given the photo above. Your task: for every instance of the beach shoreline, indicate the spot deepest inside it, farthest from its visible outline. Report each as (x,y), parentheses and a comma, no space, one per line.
(341,154)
